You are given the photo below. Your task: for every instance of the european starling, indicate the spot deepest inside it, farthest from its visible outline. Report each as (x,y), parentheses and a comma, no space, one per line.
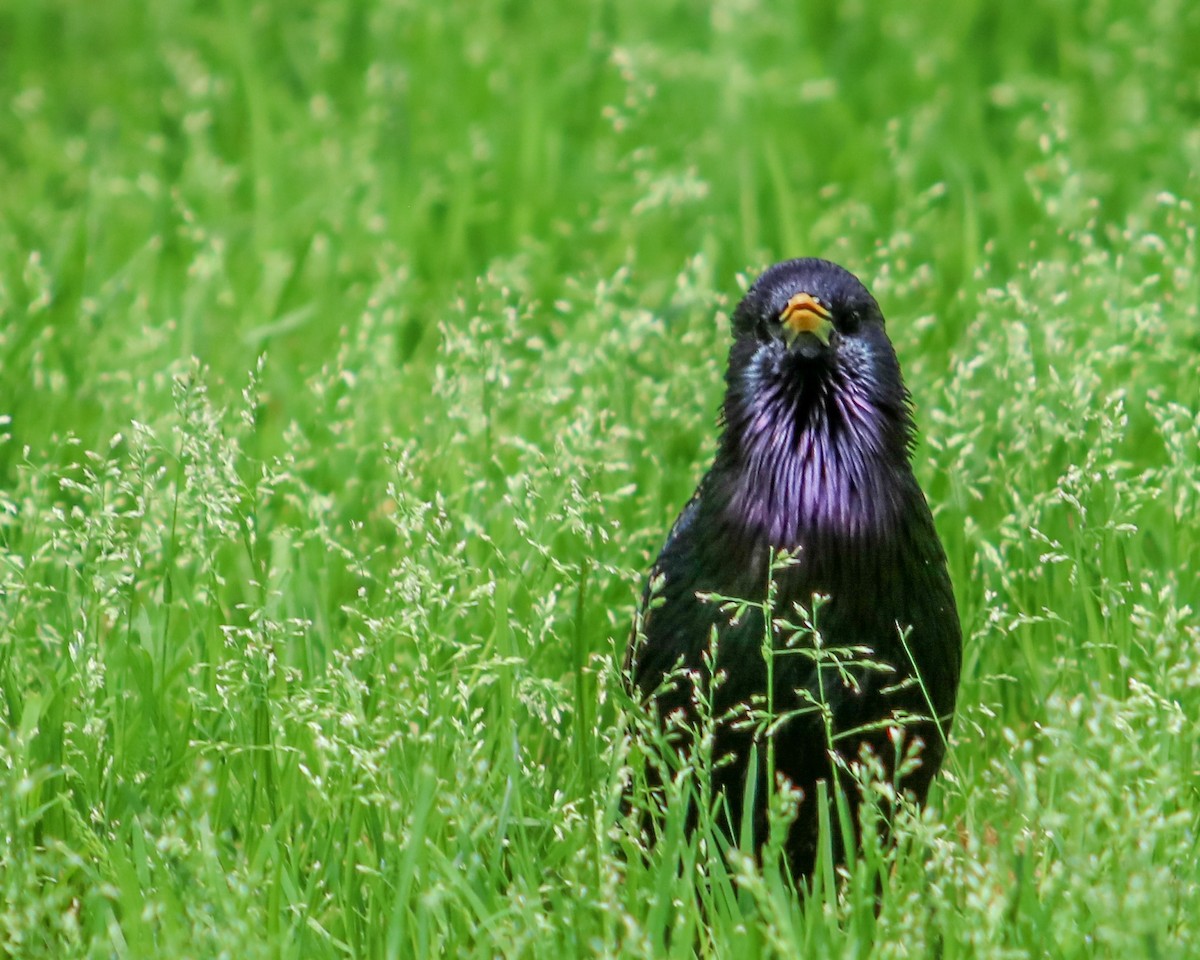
(814,460)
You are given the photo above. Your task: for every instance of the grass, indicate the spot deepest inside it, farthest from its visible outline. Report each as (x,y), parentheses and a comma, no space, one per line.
(355,357)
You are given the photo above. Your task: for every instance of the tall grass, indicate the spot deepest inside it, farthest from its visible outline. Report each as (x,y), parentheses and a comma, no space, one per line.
(355,358)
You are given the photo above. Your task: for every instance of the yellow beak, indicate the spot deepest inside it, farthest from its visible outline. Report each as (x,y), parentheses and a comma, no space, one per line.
(804,313)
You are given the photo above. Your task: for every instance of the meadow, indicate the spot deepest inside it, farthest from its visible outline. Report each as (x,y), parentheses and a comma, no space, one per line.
(356,355)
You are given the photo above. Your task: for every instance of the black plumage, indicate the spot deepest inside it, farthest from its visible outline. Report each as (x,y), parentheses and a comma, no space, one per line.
(813,459)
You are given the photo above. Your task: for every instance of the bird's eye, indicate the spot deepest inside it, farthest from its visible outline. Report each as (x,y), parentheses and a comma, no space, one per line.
(850,322)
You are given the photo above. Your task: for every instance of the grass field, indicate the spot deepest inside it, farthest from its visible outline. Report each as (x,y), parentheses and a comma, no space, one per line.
(355,357)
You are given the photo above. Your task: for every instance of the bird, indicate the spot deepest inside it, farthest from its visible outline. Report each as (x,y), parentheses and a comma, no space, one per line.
(811,513)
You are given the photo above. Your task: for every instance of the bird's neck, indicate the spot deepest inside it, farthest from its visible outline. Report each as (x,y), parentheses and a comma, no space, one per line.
(817,463)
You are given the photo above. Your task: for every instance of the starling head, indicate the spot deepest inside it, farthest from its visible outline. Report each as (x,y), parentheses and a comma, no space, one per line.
(809,296)
(815,411)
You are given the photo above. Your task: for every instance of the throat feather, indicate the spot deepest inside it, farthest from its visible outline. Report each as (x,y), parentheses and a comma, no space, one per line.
(818,462)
